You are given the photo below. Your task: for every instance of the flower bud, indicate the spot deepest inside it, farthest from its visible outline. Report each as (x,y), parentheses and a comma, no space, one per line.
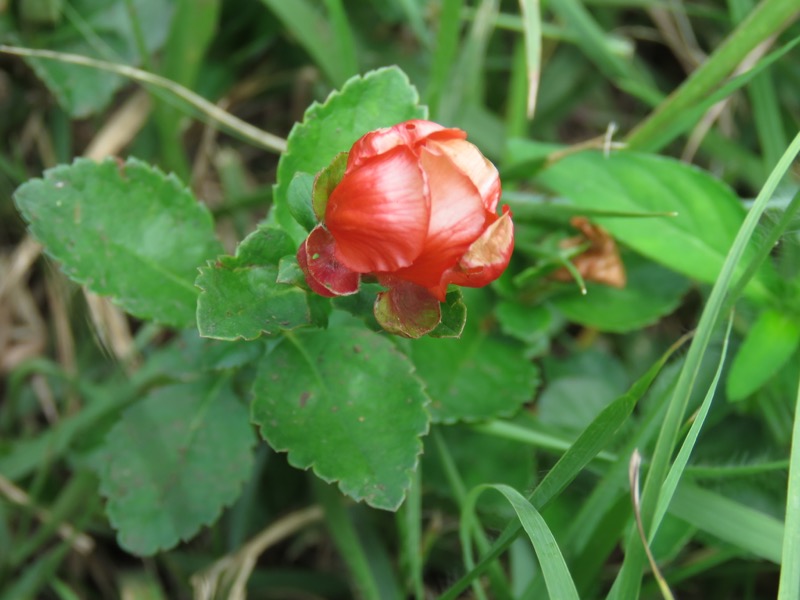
(416,207)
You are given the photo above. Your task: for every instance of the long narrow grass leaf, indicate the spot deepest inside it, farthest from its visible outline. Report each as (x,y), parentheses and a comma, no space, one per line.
(460,494)
(681,460)
(309,27)
(688,117)
(591,38)
(346,538)
(764,100)
(730,521)
(769,17)
(444,54)
(789,584)
(597,435)
(532,23)
(554,568)
(629,579)
(409,519)
(345,39)
(464,85)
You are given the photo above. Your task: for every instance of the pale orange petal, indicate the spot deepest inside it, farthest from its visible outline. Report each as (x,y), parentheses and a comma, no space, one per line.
(488,257)
(469,160)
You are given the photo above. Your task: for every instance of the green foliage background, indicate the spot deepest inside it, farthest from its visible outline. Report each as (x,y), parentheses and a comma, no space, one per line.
(498,463)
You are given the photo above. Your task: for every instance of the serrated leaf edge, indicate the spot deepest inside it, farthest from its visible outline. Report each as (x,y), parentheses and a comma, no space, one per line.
(407,472)
(113,517)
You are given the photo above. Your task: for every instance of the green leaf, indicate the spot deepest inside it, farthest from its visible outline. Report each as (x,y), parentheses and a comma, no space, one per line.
(241,297)
(650,293)
(454,316)
(345,403)
(98,29)
(299,200)
(554,567)
(597,436)
(174,461)
(771,341)
(473,378)
(695,242)
(733,522)
(126,231)
(325,182)
(789,586)
(187,354)
(380,98)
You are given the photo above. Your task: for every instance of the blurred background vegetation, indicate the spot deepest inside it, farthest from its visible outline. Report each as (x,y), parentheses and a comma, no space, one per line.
(602,69)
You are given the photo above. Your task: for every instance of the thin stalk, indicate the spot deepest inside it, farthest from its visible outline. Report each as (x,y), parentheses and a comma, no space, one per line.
(249,133)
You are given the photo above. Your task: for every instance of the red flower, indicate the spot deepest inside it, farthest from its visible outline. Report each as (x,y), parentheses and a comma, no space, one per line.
(415,207)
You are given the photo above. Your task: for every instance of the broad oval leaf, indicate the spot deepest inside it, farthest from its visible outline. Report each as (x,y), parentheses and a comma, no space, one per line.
(695,242)
(346,403)
(474,378)
(771,341)
(123,230)
(174,460)
(378,99)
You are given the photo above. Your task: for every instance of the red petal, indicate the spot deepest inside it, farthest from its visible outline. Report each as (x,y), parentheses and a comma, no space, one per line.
(457,220)
(469,160)
(379,213)
(383,140)
(408,310)
(324,274)
(488,257)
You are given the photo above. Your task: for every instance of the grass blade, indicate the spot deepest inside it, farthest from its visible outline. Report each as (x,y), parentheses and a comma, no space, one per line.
(445,53)
(730,521)
(313,32)
(343,33)
(346,537)
(769,17)
(789,586)
(409,520)
(589,444)
(532,24)
(764,98)
(554,568)
(629,579)
(591,38)
(679,465)
(460,494)
(466,80)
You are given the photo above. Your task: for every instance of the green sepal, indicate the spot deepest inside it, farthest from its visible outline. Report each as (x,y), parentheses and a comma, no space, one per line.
(325,182)
(454,316)
(298,196)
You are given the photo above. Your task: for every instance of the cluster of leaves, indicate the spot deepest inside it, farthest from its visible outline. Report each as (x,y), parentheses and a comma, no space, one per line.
(228,341)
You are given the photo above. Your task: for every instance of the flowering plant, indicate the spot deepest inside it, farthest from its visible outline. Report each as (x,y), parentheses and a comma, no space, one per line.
(412,206)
